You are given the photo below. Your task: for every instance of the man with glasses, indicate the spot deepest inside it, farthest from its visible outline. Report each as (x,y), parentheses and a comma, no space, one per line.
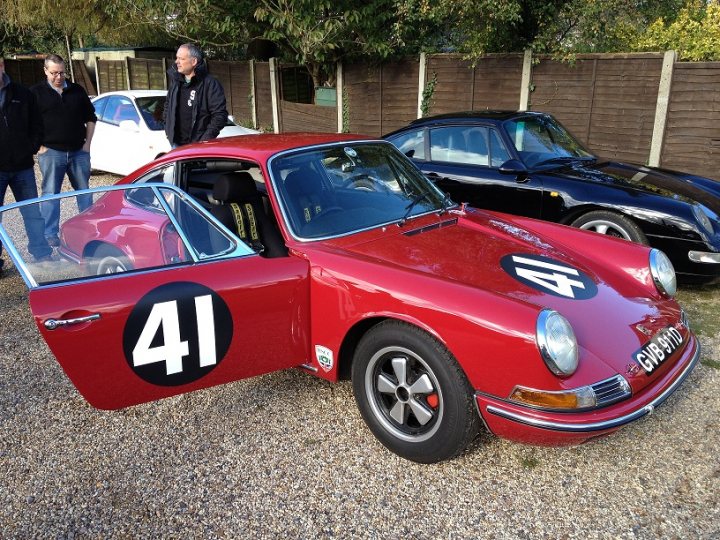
(20,133)
(68,119)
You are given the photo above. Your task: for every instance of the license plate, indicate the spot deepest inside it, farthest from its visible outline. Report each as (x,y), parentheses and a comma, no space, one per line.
(658,349)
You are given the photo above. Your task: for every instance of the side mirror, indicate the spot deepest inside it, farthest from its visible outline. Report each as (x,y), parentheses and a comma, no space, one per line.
(129,125)
(513,166)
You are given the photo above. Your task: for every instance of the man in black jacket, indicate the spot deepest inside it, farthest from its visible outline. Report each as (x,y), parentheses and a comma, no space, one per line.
(68,119)
(195,108)
(20,133)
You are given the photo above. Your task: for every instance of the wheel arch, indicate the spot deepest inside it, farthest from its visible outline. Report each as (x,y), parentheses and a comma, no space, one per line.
(360,328)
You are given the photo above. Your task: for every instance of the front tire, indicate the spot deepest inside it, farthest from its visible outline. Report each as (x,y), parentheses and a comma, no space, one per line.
(611,224)
(412,393)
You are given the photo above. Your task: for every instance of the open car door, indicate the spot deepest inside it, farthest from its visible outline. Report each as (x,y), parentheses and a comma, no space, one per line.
(147,296)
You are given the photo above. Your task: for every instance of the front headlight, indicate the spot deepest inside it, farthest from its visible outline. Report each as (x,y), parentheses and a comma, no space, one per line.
(663,273)
(702,218)
(556,342)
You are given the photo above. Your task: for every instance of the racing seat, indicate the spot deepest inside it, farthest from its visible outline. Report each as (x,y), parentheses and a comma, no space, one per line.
(242,211)
(306,195)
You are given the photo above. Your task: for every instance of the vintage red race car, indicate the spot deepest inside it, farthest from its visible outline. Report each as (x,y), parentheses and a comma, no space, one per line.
(334,254)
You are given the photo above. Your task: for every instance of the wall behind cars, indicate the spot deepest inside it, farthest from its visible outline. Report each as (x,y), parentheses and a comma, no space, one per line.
(640,107)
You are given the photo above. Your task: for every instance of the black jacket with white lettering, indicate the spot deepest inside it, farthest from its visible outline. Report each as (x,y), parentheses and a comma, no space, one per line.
(210,114)
(20,128)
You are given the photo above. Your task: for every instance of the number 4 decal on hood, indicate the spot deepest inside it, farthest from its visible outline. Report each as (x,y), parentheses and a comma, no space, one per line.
(549,276)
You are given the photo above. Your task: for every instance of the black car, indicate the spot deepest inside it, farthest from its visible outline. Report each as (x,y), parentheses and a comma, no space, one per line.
(526,163)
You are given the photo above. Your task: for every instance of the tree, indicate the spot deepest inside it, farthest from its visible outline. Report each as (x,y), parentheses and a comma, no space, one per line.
(694,34)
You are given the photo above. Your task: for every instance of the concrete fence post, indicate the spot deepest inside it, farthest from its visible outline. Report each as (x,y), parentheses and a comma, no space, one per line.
(274,95)
(97,75)
(525,82)
(252,96)
(661,110)
(340,103)
(422,81)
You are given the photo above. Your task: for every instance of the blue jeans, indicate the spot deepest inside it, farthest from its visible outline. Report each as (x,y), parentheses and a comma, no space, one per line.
(54,164)
(22,185)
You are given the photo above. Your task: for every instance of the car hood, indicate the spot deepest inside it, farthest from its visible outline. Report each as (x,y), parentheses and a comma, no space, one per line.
(648,179)
(473,248)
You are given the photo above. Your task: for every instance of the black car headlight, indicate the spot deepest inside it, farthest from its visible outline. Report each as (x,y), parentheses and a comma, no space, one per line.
(556,342)
(663,273)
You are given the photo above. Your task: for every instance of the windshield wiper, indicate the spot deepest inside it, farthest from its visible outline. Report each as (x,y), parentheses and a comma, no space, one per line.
(564,159)
(415,200)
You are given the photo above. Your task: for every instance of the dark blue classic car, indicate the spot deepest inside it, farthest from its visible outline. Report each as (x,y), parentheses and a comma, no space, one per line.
(526,163)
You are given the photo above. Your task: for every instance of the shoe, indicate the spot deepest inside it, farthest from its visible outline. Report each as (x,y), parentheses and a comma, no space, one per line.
(53,241)
(46,258)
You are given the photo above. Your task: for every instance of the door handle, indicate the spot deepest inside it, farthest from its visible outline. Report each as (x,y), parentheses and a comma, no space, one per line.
(52,324)
(435,176)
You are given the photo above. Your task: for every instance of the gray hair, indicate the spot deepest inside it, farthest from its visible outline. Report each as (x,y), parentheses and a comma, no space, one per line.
(194,51)
(54,59)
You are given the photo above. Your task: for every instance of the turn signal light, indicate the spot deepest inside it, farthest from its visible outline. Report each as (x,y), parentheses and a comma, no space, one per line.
(578,398)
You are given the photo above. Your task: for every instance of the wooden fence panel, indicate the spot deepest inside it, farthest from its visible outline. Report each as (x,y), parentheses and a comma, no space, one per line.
(147,74)
(235,80)
(307,117)
(692,140)
(497,81)
(112,75)
(607,101)
(25,72)
(566,92)
(399,95)
(263,96)
(623,109)
(363,88)
(454,86)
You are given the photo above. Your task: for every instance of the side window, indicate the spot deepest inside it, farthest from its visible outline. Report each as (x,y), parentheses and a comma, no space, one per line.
(165,174)
(411,144)
(498,152)
(120,108)
(99,105)
(460,144)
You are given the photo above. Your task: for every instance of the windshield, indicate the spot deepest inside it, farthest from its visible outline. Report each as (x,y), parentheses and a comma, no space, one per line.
(541,140)
(152,108)
(349,187)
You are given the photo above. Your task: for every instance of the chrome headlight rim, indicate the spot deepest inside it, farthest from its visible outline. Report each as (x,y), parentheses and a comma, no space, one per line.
(552,334)
(663,273)
(702,218)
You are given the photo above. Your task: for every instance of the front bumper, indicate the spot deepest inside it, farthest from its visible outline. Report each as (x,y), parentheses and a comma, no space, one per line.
(523,424)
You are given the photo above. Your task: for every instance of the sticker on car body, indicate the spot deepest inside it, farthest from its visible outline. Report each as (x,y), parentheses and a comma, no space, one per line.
(324,357)
(656,351)
(549,276)
(177,333)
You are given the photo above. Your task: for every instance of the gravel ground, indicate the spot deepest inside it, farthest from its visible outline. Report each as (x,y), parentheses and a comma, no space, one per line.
(287,455)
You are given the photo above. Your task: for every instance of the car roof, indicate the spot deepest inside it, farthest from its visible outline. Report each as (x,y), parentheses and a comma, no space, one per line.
(133,93)
(466,117)
(259,147)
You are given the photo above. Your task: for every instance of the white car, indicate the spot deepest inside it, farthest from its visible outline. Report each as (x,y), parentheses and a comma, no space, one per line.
(130,132)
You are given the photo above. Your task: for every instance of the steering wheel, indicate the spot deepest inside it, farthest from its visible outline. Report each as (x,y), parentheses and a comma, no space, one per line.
(365,182)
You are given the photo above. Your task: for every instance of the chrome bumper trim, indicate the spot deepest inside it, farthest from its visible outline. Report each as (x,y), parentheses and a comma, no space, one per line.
(607,424)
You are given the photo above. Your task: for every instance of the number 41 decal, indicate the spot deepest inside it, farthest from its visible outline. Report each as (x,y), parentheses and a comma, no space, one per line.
(177,333)
(164,316)
(549,276)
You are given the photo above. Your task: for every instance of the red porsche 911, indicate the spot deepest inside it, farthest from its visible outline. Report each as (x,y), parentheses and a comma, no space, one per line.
(334,254)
